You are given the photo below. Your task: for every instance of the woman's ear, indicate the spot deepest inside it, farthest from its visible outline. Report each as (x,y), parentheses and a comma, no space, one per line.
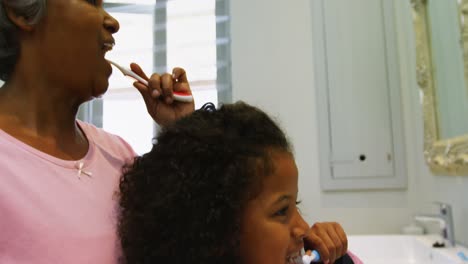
(20,21)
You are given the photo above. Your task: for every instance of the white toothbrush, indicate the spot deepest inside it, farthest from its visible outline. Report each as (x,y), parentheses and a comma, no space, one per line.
(178,96)
(313,257)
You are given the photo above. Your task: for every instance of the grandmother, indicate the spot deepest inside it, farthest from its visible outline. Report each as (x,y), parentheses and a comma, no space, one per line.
(58,175)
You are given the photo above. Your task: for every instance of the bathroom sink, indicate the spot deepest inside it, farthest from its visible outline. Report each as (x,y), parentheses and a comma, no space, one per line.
(403,249)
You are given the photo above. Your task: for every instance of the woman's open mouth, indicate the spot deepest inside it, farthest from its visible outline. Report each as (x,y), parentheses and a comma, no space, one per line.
(108,46)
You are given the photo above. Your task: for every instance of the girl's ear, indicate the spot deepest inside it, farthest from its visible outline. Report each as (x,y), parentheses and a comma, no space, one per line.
(20,21)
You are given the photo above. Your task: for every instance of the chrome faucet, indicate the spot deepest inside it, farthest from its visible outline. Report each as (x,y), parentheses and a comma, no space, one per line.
(445,219)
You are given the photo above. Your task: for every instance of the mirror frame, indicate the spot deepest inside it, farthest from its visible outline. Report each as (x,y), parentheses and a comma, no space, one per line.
(443,156)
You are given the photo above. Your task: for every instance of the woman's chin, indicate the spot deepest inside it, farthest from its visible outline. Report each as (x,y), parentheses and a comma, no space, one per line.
(100,89)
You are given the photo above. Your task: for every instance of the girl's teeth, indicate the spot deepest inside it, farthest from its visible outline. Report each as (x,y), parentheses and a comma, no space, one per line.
(295,259)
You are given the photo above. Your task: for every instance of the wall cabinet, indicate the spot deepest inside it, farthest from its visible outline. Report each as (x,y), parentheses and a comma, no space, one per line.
(358,95)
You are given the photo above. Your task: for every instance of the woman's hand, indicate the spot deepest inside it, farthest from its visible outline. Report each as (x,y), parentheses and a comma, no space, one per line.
(159,98)
(329,239)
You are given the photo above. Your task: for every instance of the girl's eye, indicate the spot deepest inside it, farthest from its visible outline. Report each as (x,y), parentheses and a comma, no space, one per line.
(93,2)
(282,212)
(285,210)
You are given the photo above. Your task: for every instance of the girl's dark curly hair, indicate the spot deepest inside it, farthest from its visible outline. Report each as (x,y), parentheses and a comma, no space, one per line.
(182,202)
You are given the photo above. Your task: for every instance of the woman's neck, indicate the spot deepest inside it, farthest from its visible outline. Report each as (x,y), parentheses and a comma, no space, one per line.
(42,116)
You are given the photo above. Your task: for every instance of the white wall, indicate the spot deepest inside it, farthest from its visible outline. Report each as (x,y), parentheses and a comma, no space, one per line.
(272,67)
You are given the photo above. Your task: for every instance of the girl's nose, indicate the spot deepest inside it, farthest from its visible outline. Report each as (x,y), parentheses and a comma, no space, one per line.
(300,227)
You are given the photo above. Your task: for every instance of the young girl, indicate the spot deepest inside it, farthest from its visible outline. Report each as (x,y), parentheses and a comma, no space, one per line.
(219,186)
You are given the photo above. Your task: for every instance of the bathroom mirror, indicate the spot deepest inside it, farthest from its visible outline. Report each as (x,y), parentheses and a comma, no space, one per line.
(441,38)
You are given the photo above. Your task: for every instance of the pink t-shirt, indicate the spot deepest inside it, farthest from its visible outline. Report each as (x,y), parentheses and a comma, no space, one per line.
(57,211)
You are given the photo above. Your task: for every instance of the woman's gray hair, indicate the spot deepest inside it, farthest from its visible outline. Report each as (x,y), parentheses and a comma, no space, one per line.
(33,11)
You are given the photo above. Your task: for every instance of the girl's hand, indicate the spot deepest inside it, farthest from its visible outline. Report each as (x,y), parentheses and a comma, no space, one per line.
(329,239)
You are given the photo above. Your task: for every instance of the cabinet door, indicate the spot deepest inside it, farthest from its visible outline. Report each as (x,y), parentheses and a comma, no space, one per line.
(358,94)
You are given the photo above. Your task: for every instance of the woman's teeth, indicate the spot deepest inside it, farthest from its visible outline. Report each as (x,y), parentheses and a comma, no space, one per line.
(108,46)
